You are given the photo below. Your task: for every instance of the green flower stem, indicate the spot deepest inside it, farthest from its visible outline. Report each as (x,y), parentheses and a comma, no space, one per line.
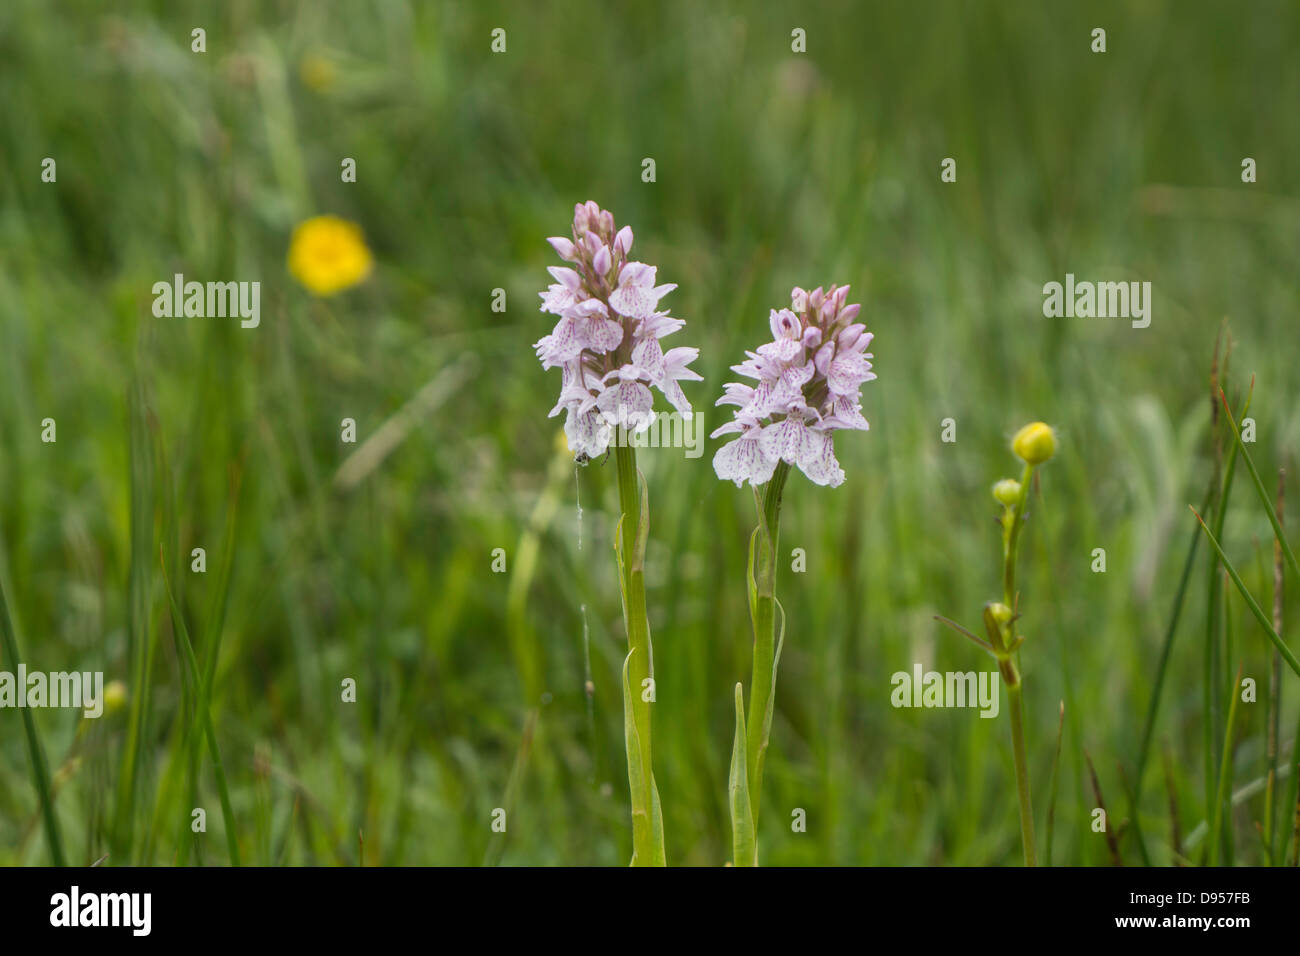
(647,827)
(1022,775)
(1010,670)
(758,726)
(1011,542)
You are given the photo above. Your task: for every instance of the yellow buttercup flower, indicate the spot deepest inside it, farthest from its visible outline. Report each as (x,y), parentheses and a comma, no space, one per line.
(328,254)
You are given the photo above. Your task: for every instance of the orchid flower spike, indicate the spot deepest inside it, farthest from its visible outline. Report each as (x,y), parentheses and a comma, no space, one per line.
(606,342)
(809,379)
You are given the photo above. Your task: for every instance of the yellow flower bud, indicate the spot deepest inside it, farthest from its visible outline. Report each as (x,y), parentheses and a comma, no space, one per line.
(114,696)
(1035,443)
(317,73)
(1007,491)
(1001,613)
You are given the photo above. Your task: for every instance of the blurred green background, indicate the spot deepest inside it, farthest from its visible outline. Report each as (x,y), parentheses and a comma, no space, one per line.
(774,169)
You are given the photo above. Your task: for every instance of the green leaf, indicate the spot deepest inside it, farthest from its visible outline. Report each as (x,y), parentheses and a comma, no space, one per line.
(659,857)
(749,579)
(763,545)
(642,527)
(771,697)
(645,819)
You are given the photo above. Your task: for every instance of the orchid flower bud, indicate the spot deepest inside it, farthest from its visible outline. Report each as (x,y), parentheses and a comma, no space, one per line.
(623,241)
(565,249)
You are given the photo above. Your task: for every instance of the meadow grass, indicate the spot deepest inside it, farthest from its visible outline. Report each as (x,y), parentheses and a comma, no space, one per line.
(478,690)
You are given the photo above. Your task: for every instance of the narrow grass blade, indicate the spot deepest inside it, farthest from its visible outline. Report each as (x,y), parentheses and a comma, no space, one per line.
(201,727)
(1175,831)
(1153,708)
(1264,622)
(1051,799)
(1112,844)
(1275,684)
(1263,493)
(1292,833)
(140,633)
(40,770)
(1233,692)
(1295,788)
(215,627)
(963,632)
(1225,777)
(189,714)
(1212,690)
(497,848)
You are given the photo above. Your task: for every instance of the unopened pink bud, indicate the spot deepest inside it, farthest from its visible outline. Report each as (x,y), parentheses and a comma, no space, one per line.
(849,337)
(570,279)
(565,249)
(623,241)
